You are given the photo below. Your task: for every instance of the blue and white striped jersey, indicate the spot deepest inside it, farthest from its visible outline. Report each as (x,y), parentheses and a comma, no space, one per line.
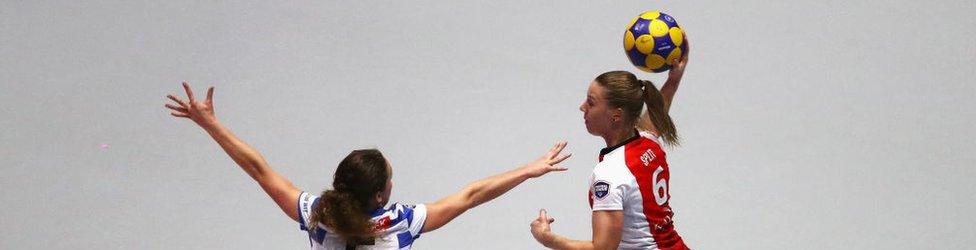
(399,225)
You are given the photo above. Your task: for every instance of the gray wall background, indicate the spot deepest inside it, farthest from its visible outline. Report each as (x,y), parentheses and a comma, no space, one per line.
(807,125)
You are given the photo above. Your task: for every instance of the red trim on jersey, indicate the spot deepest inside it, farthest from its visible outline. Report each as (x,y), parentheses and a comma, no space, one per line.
(658,216)
(589,196)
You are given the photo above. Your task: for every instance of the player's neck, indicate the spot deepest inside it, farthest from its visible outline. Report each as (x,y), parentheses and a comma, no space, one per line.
(373,206)
(616,137)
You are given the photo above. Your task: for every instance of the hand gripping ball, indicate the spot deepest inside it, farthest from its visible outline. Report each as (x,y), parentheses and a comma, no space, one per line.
(653,40)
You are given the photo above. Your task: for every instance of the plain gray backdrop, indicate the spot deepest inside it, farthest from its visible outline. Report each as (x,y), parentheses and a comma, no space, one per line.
(806,125)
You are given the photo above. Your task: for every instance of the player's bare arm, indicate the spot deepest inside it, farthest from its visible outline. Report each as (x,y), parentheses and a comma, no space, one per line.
(446,209)
(280,189)
(670,86)
(607,231)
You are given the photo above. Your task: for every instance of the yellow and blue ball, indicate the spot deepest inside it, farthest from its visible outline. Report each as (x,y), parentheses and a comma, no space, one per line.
(653,40)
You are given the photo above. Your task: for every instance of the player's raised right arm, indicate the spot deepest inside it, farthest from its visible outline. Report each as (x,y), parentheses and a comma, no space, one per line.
(443,211)
(670,86)
(669,89)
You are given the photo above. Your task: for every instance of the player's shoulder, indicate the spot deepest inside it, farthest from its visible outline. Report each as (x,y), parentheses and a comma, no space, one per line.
(306,201)
(651,140)
(608,177)
(399,217)
(399,207)
(648,135)
(402,210)
(307,197)
(612,171)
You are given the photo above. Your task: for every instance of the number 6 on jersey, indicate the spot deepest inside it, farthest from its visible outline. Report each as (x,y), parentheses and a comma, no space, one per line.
(660,187)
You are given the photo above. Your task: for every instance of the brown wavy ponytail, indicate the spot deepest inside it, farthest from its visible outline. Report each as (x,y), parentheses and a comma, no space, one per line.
(625,91)
(658,114)
(344,209)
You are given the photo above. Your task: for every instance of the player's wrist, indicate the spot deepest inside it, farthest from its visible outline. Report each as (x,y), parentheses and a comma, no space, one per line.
(673,78)
(211,126)
(548,239)
(209,123)
(525,172)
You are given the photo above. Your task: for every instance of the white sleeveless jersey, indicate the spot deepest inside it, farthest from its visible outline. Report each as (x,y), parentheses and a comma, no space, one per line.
(633,177)
(399,225)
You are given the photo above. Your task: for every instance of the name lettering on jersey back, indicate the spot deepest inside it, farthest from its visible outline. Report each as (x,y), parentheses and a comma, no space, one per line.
(647,157)
(305,201)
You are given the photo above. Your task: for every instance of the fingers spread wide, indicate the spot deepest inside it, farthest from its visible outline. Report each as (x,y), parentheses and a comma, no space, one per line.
(189,92)
(556,149)
(210,94)
(177,100)
(176,108)
(561,158)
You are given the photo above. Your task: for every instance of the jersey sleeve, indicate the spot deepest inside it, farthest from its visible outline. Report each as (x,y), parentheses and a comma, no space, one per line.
(306,202)
(607,193)
(415,217)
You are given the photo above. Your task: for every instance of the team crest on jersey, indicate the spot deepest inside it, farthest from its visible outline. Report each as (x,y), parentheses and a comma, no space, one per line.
(601,189)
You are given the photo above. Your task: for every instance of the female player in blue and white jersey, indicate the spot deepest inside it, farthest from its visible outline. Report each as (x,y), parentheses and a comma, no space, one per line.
(629,187)
(354,215)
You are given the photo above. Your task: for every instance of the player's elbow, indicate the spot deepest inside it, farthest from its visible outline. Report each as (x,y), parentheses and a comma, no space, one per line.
(474,195)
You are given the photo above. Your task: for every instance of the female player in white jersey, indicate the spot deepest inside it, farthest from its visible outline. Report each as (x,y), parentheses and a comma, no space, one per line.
(629,187)
(354,215)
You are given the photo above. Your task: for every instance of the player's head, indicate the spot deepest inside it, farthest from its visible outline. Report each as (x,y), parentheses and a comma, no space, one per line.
(362,183)
(614,102)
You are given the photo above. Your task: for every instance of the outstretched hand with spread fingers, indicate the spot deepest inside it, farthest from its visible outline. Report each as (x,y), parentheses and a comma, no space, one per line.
(200,112)
(547,163)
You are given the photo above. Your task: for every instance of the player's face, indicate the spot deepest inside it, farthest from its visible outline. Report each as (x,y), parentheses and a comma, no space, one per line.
(596,111)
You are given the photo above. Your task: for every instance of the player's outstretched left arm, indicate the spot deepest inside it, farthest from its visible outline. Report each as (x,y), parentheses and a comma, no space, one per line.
(280,189)
(443,211)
